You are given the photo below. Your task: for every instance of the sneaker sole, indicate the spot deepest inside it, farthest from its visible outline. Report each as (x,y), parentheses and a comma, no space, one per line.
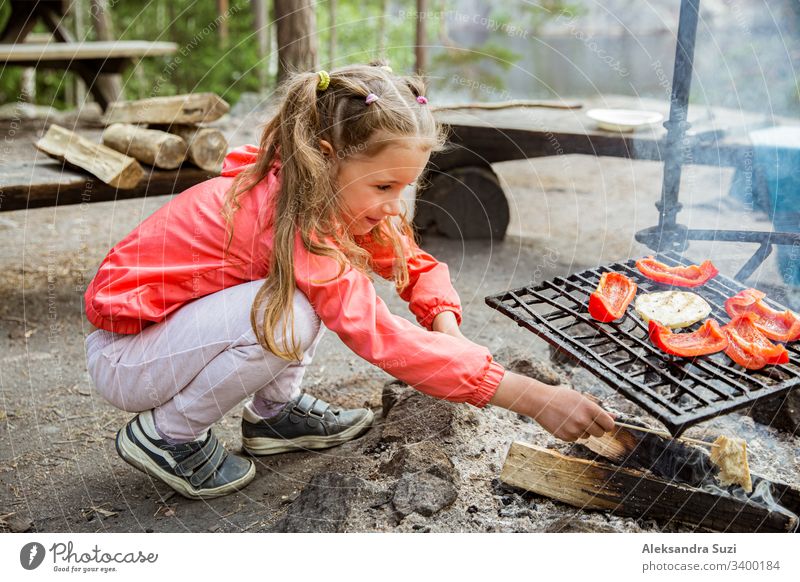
(260,446)
(134,456)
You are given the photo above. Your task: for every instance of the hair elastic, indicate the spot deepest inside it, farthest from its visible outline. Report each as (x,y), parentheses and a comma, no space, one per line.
(371,98)
(422,100)
(324,80)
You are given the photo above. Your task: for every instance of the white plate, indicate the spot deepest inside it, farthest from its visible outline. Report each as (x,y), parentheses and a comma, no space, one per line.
(623,119)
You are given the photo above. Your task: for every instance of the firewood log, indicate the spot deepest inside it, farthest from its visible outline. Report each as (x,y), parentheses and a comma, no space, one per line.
(108,165)
(157,148)
(207,146)
(191,108)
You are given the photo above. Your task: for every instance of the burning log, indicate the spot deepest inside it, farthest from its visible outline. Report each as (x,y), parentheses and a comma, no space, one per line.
(191,108)
(108,165)
(157,148)
(655,478)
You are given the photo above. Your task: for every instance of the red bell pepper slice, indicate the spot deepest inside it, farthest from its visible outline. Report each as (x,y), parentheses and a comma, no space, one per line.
(691,276)
(750,348)
(781,326)
(708,339)
(611,298)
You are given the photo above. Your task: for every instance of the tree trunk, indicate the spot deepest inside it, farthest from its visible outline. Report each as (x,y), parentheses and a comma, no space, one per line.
(332,38)
(297,37)
(260,19)
(382,28)
(222,10)
(420,50)
(104,30)
(79,13)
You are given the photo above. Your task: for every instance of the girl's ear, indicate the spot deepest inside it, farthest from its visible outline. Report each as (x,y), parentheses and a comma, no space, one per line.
(327,148)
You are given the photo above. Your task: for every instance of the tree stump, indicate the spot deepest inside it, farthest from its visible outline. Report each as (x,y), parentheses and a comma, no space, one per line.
(464,203)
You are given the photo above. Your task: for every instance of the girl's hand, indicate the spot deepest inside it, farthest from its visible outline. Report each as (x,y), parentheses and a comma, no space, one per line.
(560,410)
(446,322)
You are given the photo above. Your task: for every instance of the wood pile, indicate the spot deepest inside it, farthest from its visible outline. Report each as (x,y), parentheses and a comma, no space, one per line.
(162,132)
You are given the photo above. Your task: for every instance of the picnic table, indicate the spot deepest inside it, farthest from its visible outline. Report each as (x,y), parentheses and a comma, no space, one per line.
(90,60)
(465,198)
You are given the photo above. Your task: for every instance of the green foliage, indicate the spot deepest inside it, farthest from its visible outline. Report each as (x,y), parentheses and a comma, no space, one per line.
(202,63)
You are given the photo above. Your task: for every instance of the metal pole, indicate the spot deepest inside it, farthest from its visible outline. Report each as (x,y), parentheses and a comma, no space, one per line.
(669,234)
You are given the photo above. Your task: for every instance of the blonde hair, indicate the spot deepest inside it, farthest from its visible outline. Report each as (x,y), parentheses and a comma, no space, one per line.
(307,200)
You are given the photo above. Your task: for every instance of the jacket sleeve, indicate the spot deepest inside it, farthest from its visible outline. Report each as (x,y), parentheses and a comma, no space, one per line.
(429,290)
(438,364)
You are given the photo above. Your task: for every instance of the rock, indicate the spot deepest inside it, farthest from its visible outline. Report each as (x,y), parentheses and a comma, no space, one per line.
(412,417)
(17,524)
(22,110)
(424,457)
(782,412)
(517,361)
(325,504)
(422,493)
(392,392)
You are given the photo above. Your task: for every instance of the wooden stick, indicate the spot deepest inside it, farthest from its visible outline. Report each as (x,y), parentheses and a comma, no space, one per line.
(664,434)
(512,103)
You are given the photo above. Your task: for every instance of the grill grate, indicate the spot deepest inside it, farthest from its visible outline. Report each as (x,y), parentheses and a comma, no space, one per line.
(680,392)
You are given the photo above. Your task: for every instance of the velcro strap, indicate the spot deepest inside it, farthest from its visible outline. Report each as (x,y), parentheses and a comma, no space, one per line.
(319,407)
(189,464)
(203,473)
(305,403)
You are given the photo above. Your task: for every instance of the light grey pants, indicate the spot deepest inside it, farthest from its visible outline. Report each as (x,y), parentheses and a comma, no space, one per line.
(200,362)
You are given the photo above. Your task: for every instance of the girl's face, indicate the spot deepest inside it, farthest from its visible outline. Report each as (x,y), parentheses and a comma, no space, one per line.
(371,189)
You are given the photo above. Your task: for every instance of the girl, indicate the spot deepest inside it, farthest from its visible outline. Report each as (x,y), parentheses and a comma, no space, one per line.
(222,293)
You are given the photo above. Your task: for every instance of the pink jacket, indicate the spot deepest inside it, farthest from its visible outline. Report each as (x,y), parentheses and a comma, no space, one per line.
(176,255)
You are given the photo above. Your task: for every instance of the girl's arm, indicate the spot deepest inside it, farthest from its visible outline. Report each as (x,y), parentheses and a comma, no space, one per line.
(451,368)
(561,411)
(429,291)
(446,322)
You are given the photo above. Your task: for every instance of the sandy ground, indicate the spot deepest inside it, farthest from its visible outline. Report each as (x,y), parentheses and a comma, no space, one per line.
(58,467)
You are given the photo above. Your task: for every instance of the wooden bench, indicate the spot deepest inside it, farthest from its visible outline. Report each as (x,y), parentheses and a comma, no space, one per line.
(86,59)
(90,60)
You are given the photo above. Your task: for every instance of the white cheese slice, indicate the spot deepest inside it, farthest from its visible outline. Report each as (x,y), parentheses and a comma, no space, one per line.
(672,308)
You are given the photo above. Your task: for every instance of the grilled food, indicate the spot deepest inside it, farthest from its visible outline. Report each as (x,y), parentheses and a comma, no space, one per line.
(750,348)
(611,298)
(679,276)
(781,326)
(730,455)
(672,308)
(708,339)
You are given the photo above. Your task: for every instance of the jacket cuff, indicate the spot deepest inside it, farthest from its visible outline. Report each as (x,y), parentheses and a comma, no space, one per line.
(427,321)
(488,386)
(124,326)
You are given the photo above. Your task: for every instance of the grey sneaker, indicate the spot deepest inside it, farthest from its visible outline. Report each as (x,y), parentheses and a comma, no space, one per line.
(200,469)
(303,423)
